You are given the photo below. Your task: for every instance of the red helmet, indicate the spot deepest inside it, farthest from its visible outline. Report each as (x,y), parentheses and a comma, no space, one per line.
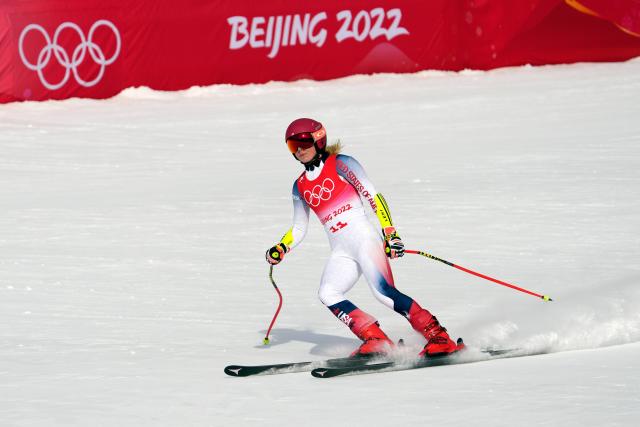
(307,129)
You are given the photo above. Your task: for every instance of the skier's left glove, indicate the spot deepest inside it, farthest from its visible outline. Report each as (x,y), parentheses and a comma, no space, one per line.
(275,254)
(393,245)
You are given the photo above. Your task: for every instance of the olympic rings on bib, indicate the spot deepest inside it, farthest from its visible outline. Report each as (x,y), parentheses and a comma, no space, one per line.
(319,193)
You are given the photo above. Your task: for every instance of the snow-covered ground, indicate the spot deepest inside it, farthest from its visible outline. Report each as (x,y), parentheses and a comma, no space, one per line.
(133,232)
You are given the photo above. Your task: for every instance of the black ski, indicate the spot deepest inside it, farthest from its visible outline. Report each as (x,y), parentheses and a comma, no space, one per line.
(285,368)
(446,359)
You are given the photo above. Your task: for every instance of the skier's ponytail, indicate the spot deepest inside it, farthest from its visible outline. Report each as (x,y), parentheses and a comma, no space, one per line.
(334,148)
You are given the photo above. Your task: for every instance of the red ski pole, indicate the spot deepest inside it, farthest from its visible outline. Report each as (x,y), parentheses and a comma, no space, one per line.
(466,270)
(266,338)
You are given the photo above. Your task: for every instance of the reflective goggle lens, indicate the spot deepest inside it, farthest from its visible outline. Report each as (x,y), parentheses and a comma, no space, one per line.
(294,144)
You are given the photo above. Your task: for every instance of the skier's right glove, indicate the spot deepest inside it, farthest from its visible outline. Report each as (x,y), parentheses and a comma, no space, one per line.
(393,245)
(276,253)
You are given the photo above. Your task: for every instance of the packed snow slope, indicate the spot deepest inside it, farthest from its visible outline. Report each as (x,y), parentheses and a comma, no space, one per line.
(133,232)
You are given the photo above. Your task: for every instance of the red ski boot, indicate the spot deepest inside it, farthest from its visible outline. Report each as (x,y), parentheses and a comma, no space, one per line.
(375,342)
(438,341)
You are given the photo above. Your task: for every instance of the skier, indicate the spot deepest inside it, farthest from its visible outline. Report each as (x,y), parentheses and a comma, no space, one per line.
(334,186)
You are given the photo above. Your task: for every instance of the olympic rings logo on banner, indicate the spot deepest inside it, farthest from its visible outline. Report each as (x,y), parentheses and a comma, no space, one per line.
(319,192)
(70,64)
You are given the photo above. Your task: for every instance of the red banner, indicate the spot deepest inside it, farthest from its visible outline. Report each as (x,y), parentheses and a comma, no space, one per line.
(625,14)
(56,49)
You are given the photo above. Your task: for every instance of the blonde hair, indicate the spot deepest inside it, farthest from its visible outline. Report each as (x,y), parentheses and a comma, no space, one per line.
(335,147)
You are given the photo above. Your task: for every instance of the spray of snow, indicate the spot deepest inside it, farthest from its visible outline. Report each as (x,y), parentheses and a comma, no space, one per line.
(584,318)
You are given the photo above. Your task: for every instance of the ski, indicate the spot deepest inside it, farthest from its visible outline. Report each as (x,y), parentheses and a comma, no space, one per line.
(349,364)
(456,358)
(292,367)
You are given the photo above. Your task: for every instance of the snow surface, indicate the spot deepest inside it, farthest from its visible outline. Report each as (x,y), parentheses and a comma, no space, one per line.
(133,232)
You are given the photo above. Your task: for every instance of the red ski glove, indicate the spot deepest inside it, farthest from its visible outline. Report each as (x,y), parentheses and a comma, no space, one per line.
(276,253)
(393,245)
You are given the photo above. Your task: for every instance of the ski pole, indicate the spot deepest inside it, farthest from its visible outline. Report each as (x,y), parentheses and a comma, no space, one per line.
(266,338)
(466,270)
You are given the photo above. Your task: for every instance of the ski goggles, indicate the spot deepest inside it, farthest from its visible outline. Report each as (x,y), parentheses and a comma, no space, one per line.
(305,140)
